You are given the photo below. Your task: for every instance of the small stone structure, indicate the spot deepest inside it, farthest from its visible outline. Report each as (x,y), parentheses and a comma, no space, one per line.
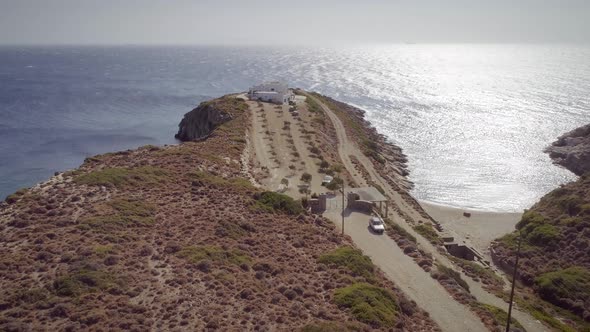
(318,205)
(460,250)
(365,199)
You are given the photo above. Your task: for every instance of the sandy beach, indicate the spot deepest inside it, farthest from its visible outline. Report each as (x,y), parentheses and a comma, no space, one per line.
(479,230)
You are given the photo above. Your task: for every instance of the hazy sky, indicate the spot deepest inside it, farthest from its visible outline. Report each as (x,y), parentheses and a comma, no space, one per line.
(292,21)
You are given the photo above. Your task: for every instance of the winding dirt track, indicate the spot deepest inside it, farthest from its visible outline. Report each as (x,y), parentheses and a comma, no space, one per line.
(417,284)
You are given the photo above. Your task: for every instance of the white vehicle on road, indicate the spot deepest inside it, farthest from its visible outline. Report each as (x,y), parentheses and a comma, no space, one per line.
(377,225)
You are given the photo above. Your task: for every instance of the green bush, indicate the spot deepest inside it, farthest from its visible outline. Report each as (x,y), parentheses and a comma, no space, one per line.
(542,235)
(85,280)
(127,213)
(369,304)
(276,202)
(560,286)
(351,259)
(478,270)
(572,204)
(306,177)
(499,315)
(236,183)
(335,184)
(429,233)
(530,217)
(395,227)
(102,251)
(121,177)
(450,273)
(231,229)
(313,106)
(570,221)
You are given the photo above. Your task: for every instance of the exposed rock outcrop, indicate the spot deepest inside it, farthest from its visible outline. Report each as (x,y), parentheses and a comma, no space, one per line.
(201,121)
(572,150)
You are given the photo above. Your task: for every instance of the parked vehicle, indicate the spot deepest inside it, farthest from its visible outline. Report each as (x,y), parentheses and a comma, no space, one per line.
(377,225)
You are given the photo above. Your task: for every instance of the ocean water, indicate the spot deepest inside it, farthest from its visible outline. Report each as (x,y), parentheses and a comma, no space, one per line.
(473,119)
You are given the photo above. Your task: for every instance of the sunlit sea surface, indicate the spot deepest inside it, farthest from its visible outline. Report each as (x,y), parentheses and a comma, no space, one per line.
(473,119)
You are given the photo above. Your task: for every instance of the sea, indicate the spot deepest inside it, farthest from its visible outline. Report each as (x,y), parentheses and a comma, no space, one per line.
(473,119)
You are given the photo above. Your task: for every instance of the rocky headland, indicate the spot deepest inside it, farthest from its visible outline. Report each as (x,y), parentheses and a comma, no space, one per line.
(572,150)
(178,238)
(201,121)
(555,254)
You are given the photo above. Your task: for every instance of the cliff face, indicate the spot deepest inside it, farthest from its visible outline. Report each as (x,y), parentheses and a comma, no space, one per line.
(572,150)
(201,121)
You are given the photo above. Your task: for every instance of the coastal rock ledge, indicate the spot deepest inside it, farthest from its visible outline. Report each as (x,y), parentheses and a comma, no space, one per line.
(572,150)
(201,121)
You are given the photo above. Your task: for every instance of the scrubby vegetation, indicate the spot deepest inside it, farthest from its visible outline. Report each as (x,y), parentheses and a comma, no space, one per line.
(555,240)
(313,106)
(140,241)
(11,199)
(551,315)
(235,183)
(351,259)
(478,272)
(369,304)
(275,202)
(396,228)
(120,177)
(330,327)
(429,233)
(124,213)
(444,272)
(87,280)
(208,254)
(499,315)
(568,288)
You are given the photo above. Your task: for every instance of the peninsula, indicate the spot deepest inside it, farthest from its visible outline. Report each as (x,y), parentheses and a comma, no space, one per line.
(258,220)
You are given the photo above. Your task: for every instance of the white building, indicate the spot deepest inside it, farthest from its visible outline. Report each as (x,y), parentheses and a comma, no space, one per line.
(274,92)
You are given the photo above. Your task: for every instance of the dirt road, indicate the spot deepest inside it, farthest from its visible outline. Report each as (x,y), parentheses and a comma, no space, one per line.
(440,305)
(407,275)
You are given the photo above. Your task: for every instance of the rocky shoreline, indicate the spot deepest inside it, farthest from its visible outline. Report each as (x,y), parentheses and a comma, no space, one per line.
(572,150)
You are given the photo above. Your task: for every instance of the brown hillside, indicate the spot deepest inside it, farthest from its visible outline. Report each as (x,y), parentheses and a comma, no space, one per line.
(176,238)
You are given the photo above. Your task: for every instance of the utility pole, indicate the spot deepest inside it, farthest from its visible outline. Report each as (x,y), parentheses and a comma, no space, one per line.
(513,282)
(342,206)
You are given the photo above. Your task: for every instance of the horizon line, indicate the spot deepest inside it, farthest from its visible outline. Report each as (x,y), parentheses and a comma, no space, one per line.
(409,43)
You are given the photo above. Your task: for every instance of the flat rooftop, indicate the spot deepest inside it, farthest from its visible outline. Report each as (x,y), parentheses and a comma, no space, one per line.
(266,92)
(370,194)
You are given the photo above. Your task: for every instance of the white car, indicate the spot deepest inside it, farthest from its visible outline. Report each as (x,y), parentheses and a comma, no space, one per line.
(327,179)
(377,225)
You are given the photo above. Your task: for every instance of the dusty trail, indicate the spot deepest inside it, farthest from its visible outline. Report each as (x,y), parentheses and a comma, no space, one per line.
(408,276)
(400,268)
(444,306)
